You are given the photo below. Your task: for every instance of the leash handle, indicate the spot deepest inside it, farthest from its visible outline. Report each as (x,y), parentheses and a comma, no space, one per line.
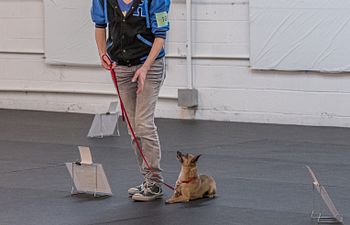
(104,56)
(126,117)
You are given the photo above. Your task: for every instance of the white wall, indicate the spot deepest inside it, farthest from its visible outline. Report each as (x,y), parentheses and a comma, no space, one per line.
(307,35)
(228,88)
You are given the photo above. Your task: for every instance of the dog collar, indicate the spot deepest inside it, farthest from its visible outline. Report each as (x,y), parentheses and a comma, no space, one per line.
(188,181)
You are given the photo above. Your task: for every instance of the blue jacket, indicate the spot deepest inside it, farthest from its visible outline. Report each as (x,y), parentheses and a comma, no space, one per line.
(130,38)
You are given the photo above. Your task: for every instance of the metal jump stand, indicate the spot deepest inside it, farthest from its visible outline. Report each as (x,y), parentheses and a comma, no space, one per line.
(317,212)
(88,177)
(105,124)
(75,189)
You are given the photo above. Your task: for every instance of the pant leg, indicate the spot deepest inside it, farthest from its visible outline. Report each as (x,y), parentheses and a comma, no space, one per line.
(144,121)
(128,95)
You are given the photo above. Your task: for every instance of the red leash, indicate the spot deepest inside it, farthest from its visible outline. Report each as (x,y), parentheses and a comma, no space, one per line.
(125,116)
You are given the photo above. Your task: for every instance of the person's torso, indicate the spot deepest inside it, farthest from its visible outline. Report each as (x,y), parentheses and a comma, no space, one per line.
(129,41)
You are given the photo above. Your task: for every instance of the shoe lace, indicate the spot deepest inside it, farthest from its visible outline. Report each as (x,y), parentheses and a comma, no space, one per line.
(148,186)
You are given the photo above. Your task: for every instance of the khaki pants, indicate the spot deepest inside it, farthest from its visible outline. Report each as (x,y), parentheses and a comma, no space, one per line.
(140,109)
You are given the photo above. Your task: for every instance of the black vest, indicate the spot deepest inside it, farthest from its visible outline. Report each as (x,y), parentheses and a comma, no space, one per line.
(129,40)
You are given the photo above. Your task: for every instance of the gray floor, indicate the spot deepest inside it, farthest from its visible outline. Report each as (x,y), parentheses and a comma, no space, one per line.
(259,169)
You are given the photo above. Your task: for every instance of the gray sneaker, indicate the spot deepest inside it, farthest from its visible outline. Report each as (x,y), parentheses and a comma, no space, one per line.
(149,193)
(137,189)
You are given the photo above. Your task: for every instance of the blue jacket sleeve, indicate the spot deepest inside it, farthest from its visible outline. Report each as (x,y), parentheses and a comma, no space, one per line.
(159,17)
(98,14)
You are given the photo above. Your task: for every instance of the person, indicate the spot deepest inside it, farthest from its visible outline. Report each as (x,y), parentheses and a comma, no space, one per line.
(134,48)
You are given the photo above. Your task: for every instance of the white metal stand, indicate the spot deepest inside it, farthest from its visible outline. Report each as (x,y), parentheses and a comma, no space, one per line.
(317,212)
(105,124)
(88,177)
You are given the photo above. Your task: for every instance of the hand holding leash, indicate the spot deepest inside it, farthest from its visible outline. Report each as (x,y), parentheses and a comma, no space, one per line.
(106,62)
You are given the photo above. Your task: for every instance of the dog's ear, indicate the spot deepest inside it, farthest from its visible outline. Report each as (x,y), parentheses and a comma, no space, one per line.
(179,156)
(195,159)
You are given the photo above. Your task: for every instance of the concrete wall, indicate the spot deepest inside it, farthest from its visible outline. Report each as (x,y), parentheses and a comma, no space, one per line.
(228,89)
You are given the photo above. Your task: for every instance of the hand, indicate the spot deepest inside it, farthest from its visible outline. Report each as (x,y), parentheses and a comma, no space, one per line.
(140,77)
(106,62)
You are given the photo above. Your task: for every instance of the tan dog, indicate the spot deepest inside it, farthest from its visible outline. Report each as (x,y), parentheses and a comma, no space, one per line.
(190,185)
